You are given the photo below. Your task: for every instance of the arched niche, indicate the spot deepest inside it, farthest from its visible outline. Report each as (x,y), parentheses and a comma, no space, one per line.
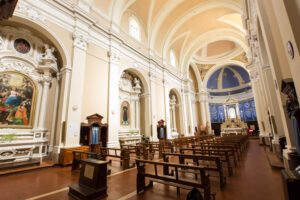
(133,96)
(25,50)
(175,103)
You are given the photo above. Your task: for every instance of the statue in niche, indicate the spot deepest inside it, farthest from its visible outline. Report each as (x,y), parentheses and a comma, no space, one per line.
(48,55)
(125,115)
(173,98)
(137,83)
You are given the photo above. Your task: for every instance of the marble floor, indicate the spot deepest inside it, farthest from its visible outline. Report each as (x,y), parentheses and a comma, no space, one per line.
(253,179)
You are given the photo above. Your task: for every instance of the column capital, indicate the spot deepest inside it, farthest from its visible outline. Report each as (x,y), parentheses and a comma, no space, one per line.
(152,76)
(114,57)
(203,96)
(46,80)
(80,40)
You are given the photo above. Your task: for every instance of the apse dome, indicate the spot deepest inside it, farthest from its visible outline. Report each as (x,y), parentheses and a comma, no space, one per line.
(229,80)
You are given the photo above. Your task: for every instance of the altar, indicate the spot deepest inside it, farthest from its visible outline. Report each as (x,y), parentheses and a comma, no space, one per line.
(234,126)
(233,123)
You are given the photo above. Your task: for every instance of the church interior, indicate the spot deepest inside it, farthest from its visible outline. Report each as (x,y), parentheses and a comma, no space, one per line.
(149,99)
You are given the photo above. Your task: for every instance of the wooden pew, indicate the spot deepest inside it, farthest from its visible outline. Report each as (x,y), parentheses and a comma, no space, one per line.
(223,154)
(177,181)
(122,154)
(236,145)
(217,166)
(231,150)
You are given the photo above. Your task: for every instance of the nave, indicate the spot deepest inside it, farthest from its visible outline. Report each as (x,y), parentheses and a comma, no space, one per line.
(252,179)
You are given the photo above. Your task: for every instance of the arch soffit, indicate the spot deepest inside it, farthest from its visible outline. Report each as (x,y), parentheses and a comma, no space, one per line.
(198,76)
(200,8)
(46,31)
(139,75)
(219,66)
(209,37)
(177,93)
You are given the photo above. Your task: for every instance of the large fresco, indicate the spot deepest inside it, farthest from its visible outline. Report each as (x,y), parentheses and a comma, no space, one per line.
(17,100)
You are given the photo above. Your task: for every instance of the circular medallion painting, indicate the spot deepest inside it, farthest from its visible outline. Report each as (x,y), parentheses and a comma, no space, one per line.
(22,46)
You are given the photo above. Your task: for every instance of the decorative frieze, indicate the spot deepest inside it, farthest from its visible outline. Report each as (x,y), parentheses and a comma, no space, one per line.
(30,12)
(6,65)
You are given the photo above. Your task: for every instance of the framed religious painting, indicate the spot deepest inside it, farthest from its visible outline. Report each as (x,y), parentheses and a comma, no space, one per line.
(17,100)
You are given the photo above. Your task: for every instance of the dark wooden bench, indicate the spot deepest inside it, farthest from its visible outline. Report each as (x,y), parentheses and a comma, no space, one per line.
(223,154)
(122,154)
(177,181)
(236,145)
(197,159)
(231,150)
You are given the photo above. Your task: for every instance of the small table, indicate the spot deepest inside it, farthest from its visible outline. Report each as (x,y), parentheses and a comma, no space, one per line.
(92,182)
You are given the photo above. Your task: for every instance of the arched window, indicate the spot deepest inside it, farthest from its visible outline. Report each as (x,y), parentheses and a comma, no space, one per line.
(134,28)
(172,58)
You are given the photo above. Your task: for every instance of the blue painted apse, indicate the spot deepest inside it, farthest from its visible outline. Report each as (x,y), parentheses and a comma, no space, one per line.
(247,111)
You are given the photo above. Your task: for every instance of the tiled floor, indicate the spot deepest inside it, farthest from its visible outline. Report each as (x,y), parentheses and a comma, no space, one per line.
(254,179)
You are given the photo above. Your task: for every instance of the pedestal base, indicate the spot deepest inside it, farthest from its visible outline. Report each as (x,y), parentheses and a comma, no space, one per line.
(276,148)
(81,192)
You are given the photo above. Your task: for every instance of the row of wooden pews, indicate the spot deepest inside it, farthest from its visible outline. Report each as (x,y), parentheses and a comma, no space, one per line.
(188,162)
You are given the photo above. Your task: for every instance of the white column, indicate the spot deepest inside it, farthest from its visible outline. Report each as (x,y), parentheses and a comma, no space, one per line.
(114,76)
(132,118)
(137,114)
(188,102)
(76,90)
(167,114)
(39,102)
(254,75)
(54,117)
(43,108)
(153,117)
(203,100)
(208,123)
(185,114)
(64,84)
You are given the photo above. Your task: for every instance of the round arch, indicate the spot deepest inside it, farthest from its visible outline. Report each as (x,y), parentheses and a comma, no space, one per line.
(140,75)
(142,113)
(175,91)
(202,7)
(209,37)
(46,31)
(218,66)
(176,113)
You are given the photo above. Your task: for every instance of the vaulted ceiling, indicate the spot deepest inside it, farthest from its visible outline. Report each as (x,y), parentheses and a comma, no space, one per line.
(199,31)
